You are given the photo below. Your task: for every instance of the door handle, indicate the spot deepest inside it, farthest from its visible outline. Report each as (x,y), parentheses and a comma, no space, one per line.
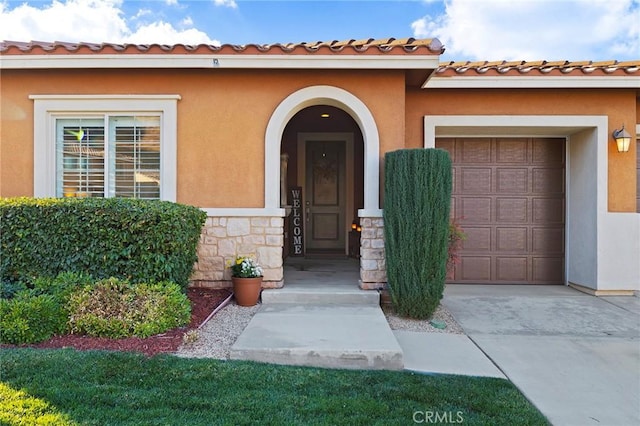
(307,214)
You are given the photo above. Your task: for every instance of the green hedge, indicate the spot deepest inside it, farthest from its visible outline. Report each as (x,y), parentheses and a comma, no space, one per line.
(137,240)
(417,201)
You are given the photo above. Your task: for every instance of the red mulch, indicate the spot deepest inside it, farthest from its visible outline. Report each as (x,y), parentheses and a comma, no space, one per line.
(203,302)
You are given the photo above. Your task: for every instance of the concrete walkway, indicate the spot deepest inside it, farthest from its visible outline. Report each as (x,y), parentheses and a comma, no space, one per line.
(575,356)
(335,336)
(442,353)
(320,319)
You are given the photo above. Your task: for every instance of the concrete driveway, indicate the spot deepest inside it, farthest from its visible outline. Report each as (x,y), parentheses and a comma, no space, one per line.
(575,356)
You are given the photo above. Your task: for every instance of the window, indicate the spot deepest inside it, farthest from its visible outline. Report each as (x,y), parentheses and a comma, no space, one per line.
(105,146)
(123,161)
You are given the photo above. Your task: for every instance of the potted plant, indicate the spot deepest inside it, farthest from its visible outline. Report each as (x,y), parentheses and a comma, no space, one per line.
(246,276)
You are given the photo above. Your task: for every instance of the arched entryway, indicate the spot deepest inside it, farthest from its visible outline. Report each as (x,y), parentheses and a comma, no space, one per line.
(324,125)
(323,149)
(329,96)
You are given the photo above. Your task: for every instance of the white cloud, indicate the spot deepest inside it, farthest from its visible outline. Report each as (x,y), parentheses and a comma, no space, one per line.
(89,21)
(534,29)
(226,3)
(63,21)
(164,33)
(141,13)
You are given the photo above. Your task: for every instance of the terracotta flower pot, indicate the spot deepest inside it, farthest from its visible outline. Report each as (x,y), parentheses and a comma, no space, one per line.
(246,290)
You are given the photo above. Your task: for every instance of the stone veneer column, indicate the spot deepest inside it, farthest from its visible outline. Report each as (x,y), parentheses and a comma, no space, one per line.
(224,238)
(373,267)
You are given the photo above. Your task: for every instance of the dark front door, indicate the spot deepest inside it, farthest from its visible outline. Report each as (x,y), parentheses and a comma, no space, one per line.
(325,189)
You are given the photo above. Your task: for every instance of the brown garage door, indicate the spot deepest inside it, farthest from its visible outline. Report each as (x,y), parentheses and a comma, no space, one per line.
(508,197)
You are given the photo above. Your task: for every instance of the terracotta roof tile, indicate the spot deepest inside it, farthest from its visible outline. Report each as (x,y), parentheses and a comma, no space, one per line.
(370,46)
(538,68)
(366,46)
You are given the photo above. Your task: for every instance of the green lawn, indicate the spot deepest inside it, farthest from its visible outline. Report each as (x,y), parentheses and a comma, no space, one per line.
(114,388)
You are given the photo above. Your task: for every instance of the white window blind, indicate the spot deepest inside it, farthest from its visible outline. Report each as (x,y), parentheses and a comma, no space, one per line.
(80,158)
(121,162)
(136,151)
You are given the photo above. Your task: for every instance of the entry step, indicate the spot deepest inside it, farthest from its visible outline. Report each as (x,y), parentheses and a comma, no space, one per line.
(338,336)
(319,294)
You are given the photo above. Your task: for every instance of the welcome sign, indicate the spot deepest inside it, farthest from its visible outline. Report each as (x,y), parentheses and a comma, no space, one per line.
(297,244)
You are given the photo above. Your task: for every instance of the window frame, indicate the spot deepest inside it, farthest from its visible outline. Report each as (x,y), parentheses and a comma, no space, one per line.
(48,108)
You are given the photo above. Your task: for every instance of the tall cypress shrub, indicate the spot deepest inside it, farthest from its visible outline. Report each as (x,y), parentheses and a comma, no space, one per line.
(417,200)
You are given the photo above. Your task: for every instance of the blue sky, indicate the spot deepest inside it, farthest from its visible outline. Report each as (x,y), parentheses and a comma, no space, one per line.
(469,29)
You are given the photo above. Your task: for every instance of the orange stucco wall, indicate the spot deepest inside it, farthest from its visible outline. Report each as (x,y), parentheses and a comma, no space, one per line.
(222,118)
(619,105)
(223,114)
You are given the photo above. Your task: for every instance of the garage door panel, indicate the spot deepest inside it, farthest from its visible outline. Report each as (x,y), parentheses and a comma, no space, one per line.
(449,146)
(512,181)
(548,240)
(477,152)
(548,270)
(475,268)
(548,151)
(548,210)
(545,181)
(512,269)
(475,180)
(511,210)
(511,151)
(476,209)
(477,239)
(512,240)
(509,198)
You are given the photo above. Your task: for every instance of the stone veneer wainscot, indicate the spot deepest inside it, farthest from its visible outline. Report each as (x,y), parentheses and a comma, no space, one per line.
(224,238)
(373,266)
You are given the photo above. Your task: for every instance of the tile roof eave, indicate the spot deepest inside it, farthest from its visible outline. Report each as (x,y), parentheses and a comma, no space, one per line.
(538,68)
(407,46)
(352,54)
(624,81)
(182,61)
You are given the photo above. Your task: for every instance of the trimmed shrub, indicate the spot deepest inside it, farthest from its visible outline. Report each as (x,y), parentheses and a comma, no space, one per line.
(137,240)
(31,315)
(8,289)
(417,201)
(29,318)
(63,285)
(116,308)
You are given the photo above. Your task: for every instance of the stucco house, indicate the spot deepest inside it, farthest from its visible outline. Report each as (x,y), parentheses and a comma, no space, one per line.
(283,146)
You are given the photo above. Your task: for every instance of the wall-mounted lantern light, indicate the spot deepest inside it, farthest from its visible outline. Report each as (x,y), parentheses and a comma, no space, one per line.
(623,139)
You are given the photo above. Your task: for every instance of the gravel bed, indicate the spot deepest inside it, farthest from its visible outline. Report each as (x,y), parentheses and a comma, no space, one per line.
(215,338)
(441,316)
